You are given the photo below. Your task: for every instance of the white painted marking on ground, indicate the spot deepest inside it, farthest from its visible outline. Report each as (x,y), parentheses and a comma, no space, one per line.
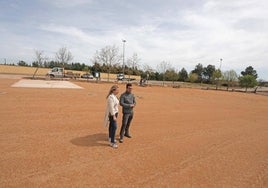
(46,84)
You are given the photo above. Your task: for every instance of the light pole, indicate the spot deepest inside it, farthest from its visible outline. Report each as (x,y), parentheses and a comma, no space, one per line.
(124,41)
(218,74)
(220,63)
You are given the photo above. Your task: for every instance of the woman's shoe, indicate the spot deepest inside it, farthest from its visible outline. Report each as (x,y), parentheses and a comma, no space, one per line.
(114,145)
(109,140)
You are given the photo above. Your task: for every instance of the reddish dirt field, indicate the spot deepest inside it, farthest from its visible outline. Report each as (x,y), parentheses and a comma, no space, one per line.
(181,138)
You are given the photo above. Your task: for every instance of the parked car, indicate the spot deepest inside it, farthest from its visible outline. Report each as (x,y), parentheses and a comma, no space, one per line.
(120,76)
(87,76)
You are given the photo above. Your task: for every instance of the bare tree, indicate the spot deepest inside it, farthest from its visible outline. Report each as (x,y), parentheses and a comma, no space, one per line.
(109,56)
(134,63)
(162,68)
(230,77)
(148,70)
(39,59)
(64,56)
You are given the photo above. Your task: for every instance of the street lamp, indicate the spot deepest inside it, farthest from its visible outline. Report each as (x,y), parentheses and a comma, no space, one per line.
(124,41)
(220,63)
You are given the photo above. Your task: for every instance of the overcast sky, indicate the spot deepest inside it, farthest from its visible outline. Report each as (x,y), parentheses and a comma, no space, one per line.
(181,32)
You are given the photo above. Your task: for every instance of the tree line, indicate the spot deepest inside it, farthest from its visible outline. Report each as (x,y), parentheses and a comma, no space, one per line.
(109,60)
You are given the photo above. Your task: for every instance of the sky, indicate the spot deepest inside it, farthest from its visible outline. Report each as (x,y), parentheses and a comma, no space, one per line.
(179,32)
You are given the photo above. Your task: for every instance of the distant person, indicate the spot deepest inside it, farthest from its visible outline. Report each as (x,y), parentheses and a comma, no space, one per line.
(141,81)
(111,114)
(127,101)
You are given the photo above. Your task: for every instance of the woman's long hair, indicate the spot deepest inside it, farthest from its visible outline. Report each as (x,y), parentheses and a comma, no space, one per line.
(113,88)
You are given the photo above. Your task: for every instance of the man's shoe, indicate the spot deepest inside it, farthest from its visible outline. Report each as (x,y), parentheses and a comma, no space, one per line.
(126,135)
(121,140)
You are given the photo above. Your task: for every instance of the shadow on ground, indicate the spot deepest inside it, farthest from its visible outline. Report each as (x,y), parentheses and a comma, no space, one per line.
(99,139)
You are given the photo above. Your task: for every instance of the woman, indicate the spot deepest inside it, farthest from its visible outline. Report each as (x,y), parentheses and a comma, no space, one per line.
(112,113)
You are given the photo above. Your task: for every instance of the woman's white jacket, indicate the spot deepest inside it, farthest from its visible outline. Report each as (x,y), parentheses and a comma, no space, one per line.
(111,108)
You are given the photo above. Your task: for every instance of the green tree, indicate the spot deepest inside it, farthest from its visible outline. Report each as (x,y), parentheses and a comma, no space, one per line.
(199,72)
(22,63)
(86,69)
(171,75)
(96,67)
(250,71)
(193,77)
(183,75)
(216,77)
(52,64)
(248,81)
(208,73)
(158,76)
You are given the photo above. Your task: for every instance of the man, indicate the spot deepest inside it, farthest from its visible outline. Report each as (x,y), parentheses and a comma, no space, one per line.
(127,101)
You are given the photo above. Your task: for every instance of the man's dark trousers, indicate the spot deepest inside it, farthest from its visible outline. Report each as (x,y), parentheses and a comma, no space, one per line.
(126,120)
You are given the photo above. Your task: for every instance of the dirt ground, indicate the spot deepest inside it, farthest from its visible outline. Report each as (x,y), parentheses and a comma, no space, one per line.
(181,138)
